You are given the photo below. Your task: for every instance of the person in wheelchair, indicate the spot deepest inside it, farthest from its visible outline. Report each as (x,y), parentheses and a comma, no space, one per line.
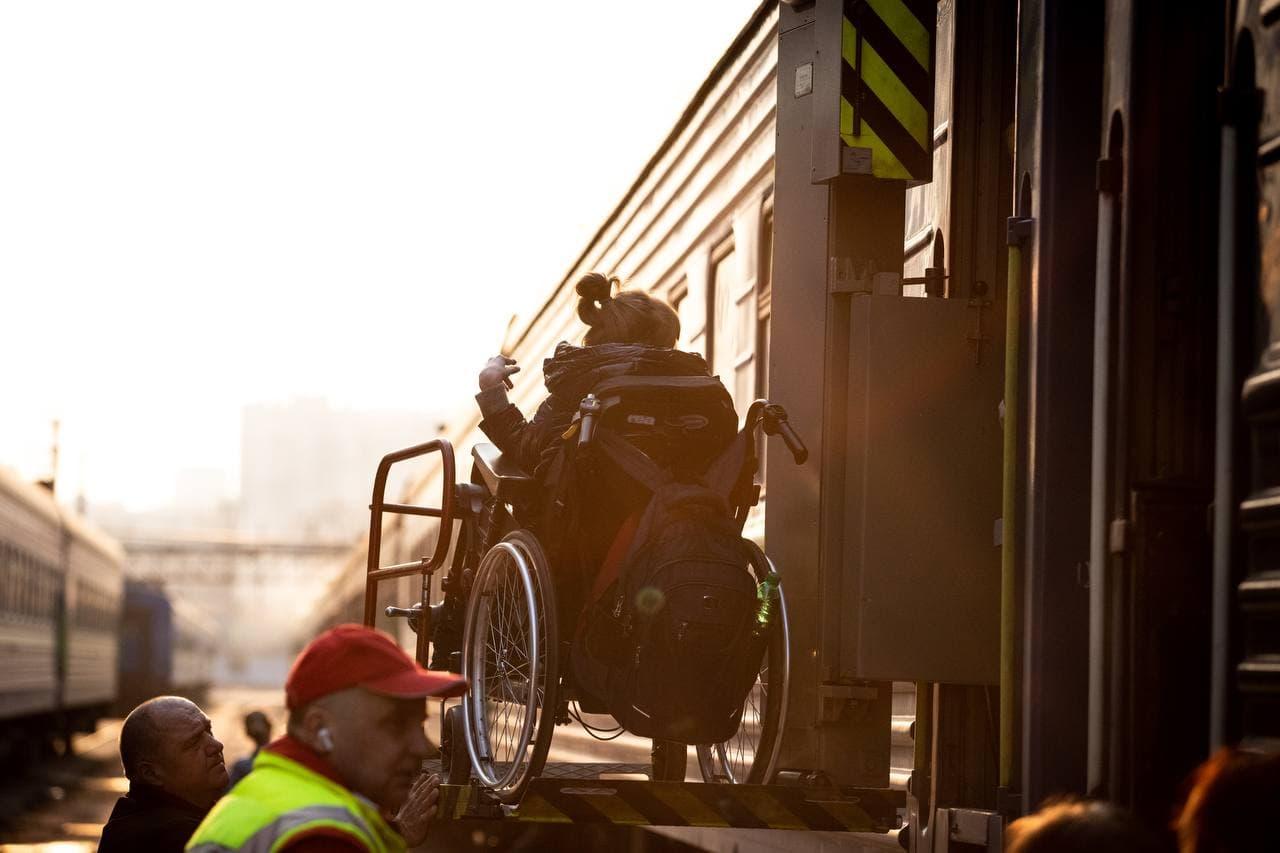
(628,333)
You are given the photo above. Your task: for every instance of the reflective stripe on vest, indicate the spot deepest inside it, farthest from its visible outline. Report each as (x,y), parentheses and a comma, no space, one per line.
(288,824)
(281,800)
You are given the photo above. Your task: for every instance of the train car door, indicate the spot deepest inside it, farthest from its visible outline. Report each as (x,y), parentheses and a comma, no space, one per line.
(1152,404)
(1246,639)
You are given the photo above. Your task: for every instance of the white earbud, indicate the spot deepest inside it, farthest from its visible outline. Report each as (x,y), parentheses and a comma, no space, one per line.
(325,739)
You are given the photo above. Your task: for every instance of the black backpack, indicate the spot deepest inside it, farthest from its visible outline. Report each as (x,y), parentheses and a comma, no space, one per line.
(674,645)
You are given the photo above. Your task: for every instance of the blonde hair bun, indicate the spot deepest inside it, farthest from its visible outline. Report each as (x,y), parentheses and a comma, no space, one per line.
(594,292)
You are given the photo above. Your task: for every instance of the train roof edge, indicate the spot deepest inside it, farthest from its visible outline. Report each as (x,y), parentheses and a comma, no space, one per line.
(43,501)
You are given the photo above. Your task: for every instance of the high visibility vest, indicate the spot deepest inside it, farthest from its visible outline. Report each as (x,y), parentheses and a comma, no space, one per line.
(280,800)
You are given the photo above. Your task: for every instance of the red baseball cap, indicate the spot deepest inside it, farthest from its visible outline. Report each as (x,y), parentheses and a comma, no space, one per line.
(356,656)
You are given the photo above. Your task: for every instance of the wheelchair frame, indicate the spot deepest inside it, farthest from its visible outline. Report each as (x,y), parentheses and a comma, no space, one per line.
(484,508)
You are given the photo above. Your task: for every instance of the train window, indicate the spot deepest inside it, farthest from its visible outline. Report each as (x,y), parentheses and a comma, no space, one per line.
(44,600)
(732,332)
(6,576)
(30,591)
(25,586)
(39,589)
(13,600)
(679,299)
(719,338)
(30,588)
(11,581)
(91,607)
(693,331)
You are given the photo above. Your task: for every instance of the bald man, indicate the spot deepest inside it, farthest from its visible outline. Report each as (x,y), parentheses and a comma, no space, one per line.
(176,773)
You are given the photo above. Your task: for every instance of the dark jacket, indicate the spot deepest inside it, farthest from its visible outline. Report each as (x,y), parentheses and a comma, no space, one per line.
(569,375)
(149,818)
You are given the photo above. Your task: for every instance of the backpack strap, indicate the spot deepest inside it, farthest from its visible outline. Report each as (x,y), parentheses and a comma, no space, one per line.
(633,463)
(726,474)
(618,550)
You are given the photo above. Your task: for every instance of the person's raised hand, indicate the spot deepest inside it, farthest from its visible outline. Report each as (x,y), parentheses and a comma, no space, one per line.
(497,371)
(419,809)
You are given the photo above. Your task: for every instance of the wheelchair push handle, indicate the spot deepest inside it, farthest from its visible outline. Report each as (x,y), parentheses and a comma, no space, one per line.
(798,451)
(588,412)
(774,420)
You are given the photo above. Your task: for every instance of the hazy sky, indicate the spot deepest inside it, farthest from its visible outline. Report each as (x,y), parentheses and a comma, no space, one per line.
(209,204)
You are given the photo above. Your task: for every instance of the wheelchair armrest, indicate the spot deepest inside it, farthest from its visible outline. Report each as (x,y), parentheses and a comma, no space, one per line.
(503,478)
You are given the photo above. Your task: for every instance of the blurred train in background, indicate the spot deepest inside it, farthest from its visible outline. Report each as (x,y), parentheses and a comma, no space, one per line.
(166,647)
(78,641)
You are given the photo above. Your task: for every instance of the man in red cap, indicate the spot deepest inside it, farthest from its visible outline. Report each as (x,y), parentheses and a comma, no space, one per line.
(351,757)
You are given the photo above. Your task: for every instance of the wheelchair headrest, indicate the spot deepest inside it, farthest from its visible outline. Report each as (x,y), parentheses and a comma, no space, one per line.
(673,385)
(679,421)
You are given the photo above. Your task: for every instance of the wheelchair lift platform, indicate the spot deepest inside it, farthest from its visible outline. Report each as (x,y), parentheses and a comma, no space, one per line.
(578,800)
(567,770)
(620,794)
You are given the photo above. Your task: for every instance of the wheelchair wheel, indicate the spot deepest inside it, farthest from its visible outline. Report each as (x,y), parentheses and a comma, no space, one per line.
(750,757)
(510,660)
(455,764)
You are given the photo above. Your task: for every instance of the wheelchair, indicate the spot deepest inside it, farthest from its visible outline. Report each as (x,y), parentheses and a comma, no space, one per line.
(519,616)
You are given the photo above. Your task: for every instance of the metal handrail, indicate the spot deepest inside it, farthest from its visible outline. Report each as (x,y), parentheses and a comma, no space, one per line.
(379,507)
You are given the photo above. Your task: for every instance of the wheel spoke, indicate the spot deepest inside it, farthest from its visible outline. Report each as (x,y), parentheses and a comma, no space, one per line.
(509,680)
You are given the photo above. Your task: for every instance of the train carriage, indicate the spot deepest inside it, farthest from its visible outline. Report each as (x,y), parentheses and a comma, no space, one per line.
(61,585)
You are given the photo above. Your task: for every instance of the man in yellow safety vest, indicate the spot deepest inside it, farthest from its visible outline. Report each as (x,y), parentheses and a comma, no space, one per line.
(351,756)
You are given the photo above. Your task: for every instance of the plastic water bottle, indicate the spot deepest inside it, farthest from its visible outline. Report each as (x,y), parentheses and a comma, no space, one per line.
(767,593)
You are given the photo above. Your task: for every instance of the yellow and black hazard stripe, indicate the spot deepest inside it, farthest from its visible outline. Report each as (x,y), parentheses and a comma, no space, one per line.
(636,803)
(886,86)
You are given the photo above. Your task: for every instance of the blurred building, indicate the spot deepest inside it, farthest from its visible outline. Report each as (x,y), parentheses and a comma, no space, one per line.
(258,563)
(306,469)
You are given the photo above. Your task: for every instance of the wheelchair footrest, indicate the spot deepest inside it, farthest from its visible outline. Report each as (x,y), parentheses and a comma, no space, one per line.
(831,809)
